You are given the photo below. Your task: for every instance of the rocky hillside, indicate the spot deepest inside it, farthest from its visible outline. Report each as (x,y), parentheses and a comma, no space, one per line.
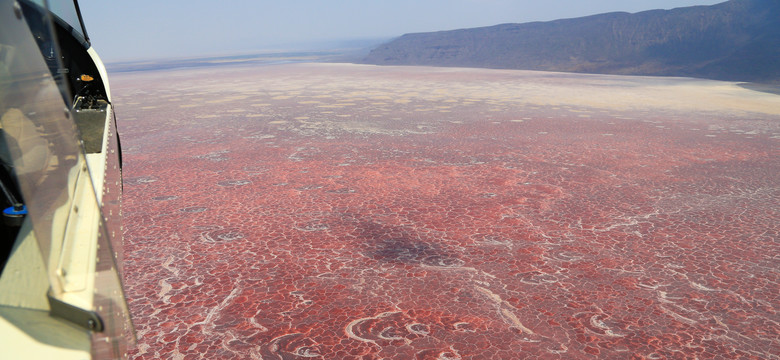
(736,40)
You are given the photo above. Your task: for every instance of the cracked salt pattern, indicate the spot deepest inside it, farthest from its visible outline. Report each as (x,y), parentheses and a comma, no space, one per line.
(331,211)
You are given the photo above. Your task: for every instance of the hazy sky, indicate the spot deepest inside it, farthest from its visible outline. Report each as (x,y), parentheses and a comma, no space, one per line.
(151,29)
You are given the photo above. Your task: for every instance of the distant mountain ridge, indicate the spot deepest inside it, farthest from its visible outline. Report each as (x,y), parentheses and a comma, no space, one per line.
(738,40)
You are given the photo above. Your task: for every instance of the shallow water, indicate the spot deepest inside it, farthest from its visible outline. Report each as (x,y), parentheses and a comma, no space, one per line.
(340,211)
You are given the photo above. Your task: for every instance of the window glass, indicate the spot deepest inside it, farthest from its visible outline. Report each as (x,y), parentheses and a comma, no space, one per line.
(40,147)
(65,10)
